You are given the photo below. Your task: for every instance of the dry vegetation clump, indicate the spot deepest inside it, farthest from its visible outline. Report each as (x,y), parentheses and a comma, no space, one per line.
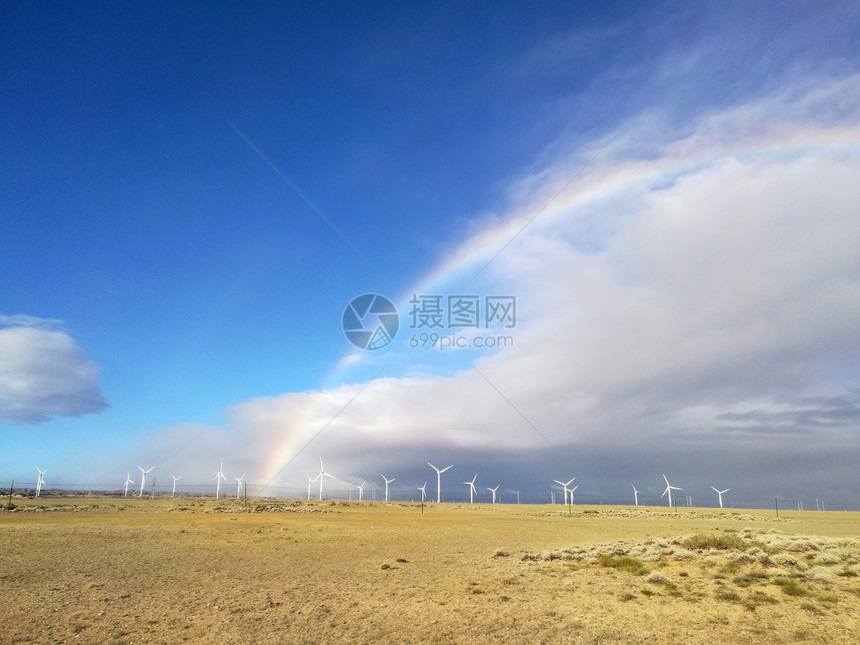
(752,569)
(78,508)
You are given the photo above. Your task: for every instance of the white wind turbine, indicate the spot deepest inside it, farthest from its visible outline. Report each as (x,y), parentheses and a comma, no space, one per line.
(360,490)
(423,490)
(218,477)
(471,486)
(175,479)
(720,494)
(323,474)
(635,496)
(128,481)
(40,480)
(669,489)
(239,482)
(439,480)
(493,491)
(143,479)
(311,481)
(387,481)
(571,494)
(564,486)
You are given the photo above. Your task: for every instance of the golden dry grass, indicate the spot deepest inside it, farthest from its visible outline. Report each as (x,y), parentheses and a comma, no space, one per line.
(98,570)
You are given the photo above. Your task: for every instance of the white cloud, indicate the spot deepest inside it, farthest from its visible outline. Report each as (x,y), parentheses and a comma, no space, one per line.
(43,373)
(23,320)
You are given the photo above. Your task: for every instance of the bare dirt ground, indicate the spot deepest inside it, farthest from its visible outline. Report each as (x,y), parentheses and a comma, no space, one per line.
(101,570)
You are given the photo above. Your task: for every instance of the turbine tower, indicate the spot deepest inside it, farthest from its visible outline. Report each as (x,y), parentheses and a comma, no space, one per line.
(635,496)
(439,480)
(323,474)
(493,491)
(239,482)
(669,489)
(128,481)
(471,486)
(40,480)
(175,479)
(720,494)
(143,479)
(218,477)
(387,481)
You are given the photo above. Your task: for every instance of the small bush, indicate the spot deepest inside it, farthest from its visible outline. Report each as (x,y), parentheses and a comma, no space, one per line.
(717,542)
(785,560)
(750,578)
(790,587)
(828,558)
(727,594)
(656,578)
(820,574)
(623,562)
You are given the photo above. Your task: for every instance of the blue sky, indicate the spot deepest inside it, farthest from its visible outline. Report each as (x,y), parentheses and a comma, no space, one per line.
(689,287)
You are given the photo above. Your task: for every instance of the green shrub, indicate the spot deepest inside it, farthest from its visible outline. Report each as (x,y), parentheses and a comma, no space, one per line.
(623,562)
(790,587)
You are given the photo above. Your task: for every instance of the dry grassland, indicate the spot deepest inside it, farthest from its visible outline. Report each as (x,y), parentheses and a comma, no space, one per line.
(90,570)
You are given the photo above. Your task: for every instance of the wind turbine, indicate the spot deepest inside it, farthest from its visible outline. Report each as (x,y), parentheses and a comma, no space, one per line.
(439,480)
(40,481)
(720,494)
(239,481)
(669,489)
(471,486)
(311,481)
(360,490)
(175,479)
(128,481)
(423,490)
(493,491)
(571,493)
(143,479)
(635,495)
(564,486)
(218,477)
(322,474)
(387,481)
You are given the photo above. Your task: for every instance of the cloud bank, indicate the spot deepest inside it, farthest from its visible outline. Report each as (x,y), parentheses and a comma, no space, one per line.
(691,303)
(43,373)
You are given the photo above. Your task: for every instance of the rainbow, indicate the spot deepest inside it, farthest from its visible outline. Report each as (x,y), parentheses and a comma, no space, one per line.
(469,258)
